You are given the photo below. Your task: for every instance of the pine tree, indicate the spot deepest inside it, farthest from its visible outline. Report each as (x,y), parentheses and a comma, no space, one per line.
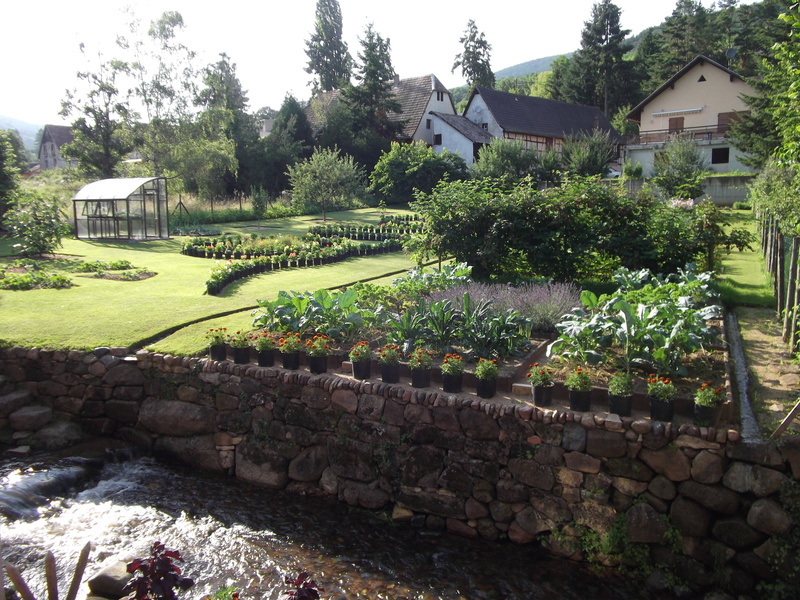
(474,61)
(598,75)
(327,53)
(372,98)
(687,32)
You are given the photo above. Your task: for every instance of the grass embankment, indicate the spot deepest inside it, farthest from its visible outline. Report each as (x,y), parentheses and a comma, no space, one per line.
(103,312)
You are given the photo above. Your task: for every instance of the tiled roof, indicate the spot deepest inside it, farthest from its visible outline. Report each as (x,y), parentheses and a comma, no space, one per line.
(413,95)
(543,117)
(58,134)
(472,131)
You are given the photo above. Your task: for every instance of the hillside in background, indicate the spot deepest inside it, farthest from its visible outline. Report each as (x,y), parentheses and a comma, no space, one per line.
(27,131)
(537,65)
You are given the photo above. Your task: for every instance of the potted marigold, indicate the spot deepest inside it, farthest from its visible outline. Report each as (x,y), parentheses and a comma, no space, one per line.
(264,343)
(452,373)
(216,342)
(579,384)
(707,400)
(317,349)
(289,346)
(542,384)
(389,360)
(240,344)
(620,394)
(361,357)
(486,372)
(420,361)
(662,392)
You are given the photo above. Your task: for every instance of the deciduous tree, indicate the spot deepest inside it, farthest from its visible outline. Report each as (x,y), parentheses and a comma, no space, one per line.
(410,167)
(102,134)
(327,181)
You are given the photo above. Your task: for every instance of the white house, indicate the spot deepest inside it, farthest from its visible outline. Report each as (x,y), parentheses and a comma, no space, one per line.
(698,102)
(539,123)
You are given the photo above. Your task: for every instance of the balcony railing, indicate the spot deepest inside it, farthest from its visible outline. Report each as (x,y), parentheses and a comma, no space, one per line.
(660,136)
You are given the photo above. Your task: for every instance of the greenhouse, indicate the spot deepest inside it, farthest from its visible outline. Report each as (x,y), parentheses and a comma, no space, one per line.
(122,209)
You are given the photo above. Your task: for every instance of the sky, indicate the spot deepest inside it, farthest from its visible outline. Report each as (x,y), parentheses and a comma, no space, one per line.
(39,47)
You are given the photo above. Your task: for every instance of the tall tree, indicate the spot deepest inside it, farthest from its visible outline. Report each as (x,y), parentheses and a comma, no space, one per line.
(372,98)
(687,32)
(474,60)
(289,142)
(9,174)
(164,78)
(599,76)
(223,92)
(328,57)
(102,136)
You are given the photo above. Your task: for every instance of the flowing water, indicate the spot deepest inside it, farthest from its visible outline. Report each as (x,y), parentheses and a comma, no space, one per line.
(234,534)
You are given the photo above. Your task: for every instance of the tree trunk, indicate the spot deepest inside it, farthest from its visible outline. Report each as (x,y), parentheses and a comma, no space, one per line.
(791,292)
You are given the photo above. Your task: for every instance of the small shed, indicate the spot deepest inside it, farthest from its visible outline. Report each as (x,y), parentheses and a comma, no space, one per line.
(122,209)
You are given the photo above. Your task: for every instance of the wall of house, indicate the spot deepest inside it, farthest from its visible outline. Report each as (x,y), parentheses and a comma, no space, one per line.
(723,191)
(695,498)
(645,155)
(444,106)
(479,113)
(452,140)
(718,94)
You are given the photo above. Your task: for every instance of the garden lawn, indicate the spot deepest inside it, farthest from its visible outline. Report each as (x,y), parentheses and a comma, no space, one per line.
(744,280)
(102,312)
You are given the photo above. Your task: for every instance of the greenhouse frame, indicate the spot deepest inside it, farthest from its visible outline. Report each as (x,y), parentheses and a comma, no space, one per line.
(122,209)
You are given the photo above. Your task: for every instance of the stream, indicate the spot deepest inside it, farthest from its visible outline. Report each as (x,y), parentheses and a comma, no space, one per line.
(234,534)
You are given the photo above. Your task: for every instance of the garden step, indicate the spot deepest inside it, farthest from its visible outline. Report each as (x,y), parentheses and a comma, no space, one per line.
(13,401)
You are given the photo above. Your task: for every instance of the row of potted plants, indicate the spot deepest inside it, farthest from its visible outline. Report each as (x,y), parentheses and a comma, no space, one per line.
(319,347)
(225,273)
(661,393)
(367,232)
(302,251)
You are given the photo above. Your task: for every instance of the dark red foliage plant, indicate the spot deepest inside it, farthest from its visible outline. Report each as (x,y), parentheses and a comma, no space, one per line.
(156,577)
(304,587)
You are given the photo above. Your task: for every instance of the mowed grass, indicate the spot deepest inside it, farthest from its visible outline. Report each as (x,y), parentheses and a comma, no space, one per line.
(102,312)
(743,278)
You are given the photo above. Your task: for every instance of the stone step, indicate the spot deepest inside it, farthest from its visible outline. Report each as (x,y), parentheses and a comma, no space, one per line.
(6,385)
(13,401)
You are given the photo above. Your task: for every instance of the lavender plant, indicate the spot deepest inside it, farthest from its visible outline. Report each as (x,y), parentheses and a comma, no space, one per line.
(542,303)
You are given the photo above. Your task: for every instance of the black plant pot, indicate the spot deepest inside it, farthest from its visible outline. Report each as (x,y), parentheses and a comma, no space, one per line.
(318,364)
(266,358)
(291,360)
(241,356)
(543,395)
(217,352)
(661,411)
(451,383)
(390,373)
(420,378)
(620,405)
(362,369)
(580,400)
(486,388)
(706,416)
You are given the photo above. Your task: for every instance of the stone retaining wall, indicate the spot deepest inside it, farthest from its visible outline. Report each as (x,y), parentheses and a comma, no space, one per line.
(697,499)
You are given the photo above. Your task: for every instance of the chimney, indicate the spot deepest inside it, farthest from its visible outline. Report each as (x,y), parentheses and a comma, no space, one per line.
(396,80)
